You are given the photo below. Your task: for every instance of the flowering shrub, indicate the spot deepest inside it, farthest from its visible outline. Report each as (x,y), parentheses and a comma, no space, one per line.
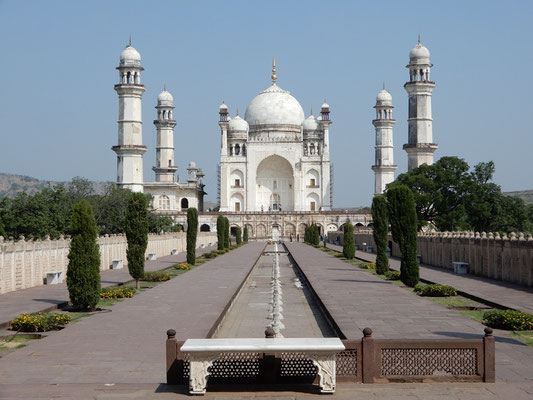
(393,275)
(182,266)
(120,292)
(39,322)
(509,320)
(370,265)
(435,290)
(156,276)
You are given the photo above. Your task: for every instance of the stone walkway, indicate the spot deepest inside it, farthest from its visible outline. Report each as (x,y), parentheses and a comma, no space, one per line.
(120,354)
(126,343)
(502,294)
(48,297)
(357,299)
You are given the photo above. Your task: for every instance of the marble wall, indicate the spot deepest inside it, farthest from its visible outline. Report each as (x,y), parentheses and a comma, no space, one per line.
(505,258)
(24,264)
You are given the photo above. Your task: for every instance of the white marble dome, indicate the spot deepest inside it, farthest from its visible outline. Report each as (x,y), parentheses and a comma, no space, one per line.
(384,97)
(130,57)
(238,124)
(310,124)
(419,54)
(274,106)
(165,99)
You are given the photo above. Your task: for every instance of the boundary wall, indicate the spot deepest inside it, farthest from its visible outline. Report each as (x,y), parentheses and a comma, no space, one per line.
(24,264)
(504,258)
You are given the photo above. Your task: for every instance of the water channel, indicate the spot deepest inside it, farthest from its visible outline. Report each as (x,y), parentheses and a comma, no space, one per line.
(275,294)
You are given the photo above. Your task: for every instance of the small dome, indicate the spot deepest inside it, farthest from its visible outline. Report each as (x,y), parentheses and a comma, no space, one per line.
(419,54)
(310,124)
(223,107)
(238,124)
(192,165)
(165,99)
(384,97)
(325,105)
(274,106)
(130,57)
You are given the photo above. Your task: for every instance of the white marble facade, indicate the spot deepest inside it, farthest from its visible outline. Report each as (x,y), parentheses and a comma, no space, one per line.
(275,158)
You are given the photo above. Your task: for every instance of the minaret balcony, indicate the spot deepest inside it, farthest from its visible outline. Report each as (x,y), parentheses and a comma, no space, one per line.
(129,149)
(165,122)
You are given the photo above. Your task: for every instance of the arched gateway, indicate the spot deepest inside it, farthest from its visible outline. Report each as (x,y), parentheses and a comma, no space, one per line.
(275,184)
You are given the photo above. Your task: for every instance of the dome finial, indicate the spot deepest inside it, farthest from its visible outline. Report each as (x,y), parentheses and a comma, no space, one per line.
(165,87)
(237,111)
(130,39)
(274,76)
(419,38)
(311,111)
(384,85)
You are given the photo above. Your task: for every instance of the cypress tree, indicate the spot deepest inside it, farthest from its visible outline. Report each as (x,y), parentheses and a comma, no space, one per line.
(306,234)
(137,235)
(192,231)
(83,272)
(315,235)
(221,224)
(245,234)
(238,239)
(380,222)
(348,248)
(227,240)
(402,214)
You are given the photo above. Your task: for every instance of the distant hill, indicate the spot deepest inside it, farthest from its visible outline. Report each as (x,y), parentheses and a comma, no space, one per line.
(12,184)
(526,195)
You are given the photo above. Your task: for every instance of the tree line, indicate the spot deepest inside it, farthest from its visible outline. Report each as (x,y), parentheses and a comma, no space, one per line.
(451,197)
(50,211)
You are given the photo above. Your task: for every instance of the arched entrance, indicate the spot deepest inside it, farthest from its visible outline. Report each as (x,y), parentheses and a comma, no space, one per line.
(205,228)
(274,185)
(184,203)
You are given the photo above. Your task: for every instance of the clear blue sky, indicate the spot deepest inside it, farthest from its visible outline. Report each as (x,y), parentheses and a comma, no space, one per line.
(58,109)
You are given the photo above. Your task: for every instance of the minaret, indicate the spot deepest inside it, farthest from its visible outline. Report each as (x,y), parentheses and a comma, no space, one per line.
(384,165)
(420,146)
(164,124)
(130,148)
(327,183)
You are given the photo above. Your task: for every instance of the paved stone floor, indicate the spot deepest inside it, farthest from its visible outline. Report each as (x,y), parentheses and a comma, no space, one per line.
(120,354)
(126,344)
(506,294)
(45,297)
(248,316)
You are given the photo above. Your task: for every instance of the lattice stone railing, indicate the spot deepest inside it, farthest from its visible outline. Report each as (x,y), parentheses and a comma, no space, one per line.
(365,360)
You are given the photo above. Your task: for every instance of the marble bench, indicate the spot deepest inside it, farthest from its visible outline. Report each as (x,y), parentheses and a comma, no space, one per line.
(203,352)
(117,264)
(152,256)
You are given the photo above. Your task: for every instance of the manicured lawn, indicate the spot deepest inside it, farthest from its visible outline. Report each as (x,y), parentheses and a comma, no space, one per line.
(526,337)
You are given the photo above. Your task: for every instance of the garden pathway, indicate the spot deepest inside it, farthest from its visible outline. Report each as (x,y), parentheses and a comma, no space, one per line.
(503,294)
(357,299)
(48,297)
(126,344)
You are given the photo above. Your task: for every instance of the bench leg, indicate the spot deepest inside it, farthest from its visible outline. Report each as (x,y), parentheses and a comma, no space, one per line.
(199,365)
(326,370)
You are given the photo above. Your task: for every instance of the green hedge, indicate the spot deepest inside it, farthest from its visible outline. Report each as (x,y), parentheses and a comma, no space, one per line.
(435,290)
(508,320)
(156,276)
(393,275)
